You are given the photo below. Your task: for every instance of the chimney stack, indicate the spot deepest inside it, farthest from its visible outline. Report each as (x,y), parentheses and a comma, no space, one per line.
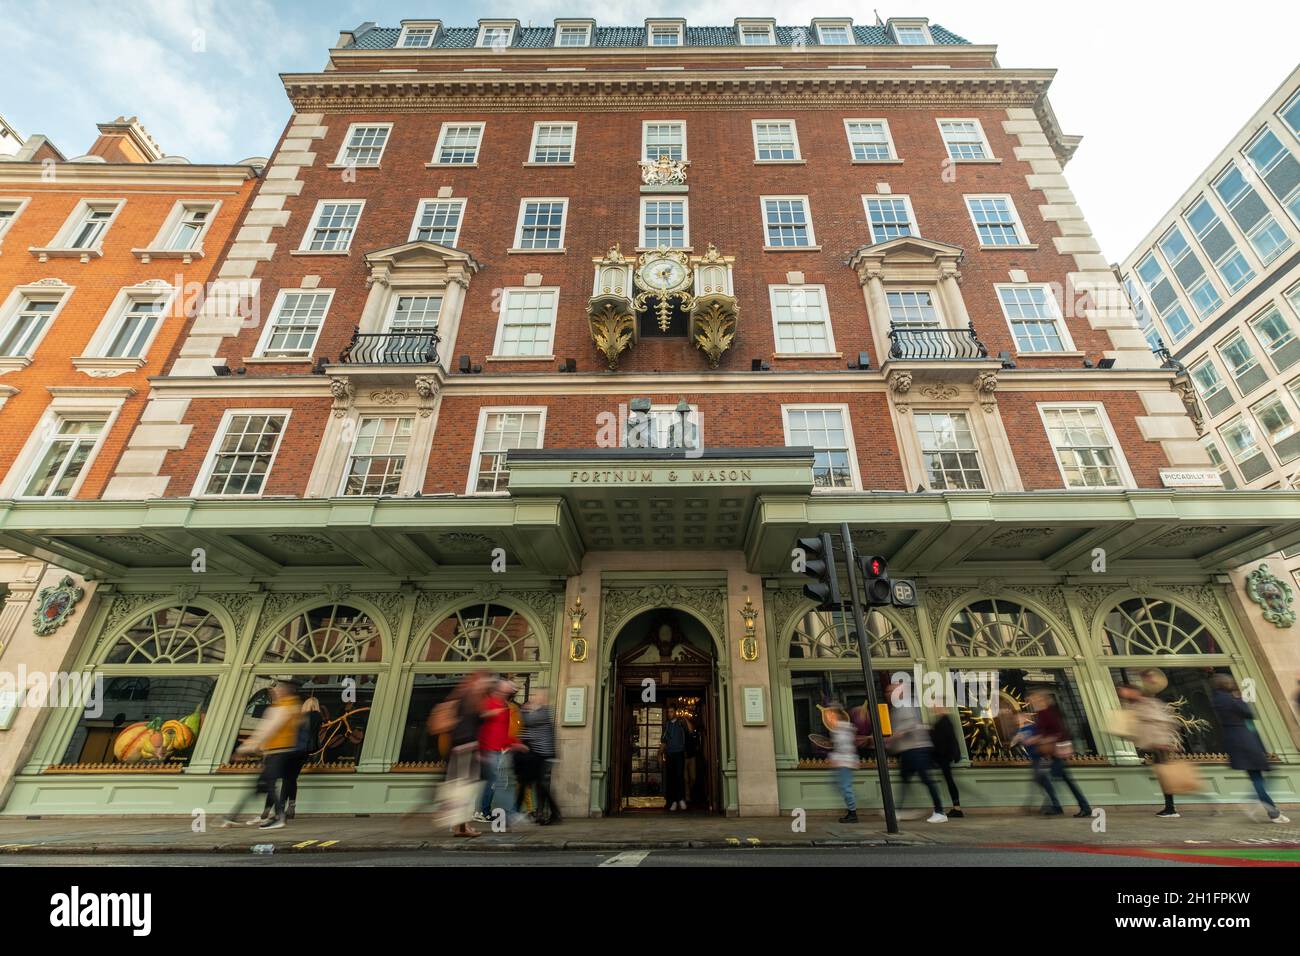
(125,141)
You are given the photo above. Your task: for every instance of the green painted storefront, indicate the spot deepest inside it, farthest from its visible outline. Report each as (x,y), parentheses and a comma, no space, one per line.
(390,599)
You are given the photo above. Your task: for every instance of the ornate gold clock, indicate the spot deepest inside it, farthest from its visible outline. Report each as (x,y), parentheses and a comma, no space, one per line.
(665,275)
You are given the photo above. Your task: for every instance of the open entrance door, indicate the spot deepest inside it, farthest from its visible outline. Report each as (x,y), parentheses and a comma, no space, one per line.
(665,738)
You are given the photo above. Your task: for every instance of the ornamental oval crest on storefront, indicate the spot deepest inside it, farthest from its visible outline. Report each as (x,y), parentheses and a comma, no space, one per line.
(1272,594)
(54,605)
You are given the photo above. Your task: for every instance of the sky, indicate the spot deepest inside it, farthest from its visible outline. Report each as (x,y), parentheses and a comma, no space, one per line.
(1155,88)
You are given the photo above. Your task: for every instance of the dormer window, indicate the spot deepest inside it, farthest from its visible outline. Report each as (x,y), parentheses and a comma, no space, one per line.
(911,32)
(496,34)
(834,32)
(665,33)
(756,32)
(418,33)
(572,34)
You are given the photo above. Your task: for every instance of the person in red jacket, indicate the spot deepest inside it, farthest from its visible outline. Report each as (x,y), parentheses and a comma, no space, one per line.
(495,743)
(1054,742)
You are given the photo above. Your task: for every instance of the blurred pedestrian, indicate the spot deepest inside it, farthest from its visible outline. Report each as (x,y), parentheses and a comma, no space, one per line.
(533,764)
(1245,749)
(844,756)
(308,733)
(947,751)
(673,741)
(1054,742)
(459,717)
(1154,732)
(496,744)
(910,742)
(276,738)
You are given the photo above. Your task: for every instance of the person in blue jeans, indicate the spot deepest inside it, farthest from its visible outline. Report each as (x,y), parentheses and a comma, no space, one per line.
(495,744)
(844,758)
(1053,742)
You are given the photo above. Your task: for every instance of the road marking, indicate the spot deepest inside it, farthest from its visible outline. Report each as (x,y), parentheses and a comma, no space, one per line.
(12,847)
(752,841)
(733,841)
(327,843)
(627,858)
(303,845)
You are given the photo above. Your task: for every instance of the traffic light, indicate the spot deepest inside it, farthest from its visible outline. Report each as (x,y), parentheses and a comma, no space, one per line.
(876,586)
(819,564)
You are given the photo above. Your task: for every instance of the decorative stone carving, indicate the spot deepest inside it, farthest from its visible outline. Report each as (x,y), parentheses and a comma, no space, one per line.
(1089,600)
(1272,594)
(388,396)
(785,603)
(1202,599)
(239,604)
(1049,596)
(992,587)
(465,542)
(1141,585)
(488,592)
(426,387)
(663,171)
(185,593)
(940,393)
(55,604)
(125,609)
(1181,536)
(986,385)
(337,592)
(302,543)
(342,391)
(936,601)
(1019,537)
(900,382)
(620,604)
(135,543)
(1187,392)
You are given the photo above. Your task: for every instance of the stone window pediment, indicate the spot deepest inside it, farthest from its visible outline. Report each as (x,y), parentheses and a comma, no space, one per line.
(420,260)
(907,258)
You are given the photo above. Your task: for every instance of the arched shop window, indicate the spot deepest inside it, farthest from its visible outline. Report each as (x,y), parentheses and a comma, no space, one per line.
(1143,626)
(1171,653)
(149,692)
(481,636)
(823,659)
(335,652)
(999,653)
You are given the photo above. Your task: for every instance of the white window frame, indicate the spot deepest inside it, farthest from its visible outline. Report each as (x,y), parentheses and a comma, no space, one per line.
(562,25)
(979,128)
(794,137)
(971,429)
(1279,398)
(1290,104)
(480,431)
(767,238)
(940,318)
(772,291)
(653,26)
(1263,313)
(537,130)
(918,25)
(889,139)
(305,245)
(852,449)
(743,25)
(341,160)
(686,220)
(484,25)
(846,24)
(1016,221)
(116,316)
(442,138)
(265,338)
(1121,461)
(519,224)
(173,222)
(18,204)
(13,305)
(645,130)
(210,459)
(411,25)
(549,354)
(1067,341)
(72,225)
(44,434)
(914,228)
(394,413)
(395,299)
(419,212)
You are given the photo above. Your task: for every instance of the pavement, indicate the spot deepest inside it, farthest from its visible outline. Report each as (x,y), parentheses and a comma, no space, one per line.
(1201,829)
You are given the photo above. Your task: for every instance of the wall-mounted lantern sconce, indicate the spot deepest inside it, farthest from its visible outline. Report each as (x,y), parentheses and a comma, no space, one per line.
(749,643)
(577,643)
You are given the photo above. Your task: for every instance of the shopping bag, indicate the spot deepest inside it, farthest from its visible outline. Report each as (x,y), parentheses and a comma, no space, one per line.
(1179,776)
(1122,724)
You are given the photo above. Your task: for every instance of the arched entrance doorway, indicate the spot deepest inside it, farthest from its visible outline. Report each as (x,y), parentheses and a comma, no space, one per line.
(664,682)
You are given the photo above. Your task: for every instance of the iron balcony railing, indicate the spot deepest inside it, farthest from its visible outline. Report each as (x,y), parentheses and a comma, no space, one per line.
(935,344)
(391,348)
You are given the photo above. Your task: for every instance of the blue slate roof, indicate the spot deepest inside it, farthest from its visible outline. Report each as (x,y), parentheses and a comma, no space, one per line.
(537,38)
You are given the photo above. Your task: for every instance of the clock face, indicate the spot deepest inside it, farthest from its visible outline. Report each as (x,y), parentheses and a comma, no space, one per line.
(662,275)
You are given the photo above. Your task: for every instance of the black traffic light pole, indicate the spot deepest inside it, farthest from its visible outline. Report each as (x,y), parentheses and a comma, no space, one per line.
(864,655)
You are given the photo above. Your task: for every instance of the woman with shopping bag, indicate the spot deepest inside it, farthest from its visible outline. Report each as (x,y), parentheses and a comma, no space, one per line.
(1153,728)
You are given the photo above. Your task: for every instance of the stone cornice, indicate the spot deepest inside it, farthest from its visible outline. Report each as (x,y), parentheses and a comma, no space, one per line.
(618,90)
(128,174)
(566,384)
(342,55)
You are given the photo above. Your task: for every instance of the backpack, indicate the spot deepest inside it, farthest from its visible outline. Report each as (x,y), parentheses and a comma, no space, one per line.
(443,718)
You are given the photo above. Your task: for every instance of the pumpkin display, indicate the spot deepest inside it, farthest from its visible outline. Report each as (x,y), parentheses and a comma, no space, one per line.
(140,741)
(177,735)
